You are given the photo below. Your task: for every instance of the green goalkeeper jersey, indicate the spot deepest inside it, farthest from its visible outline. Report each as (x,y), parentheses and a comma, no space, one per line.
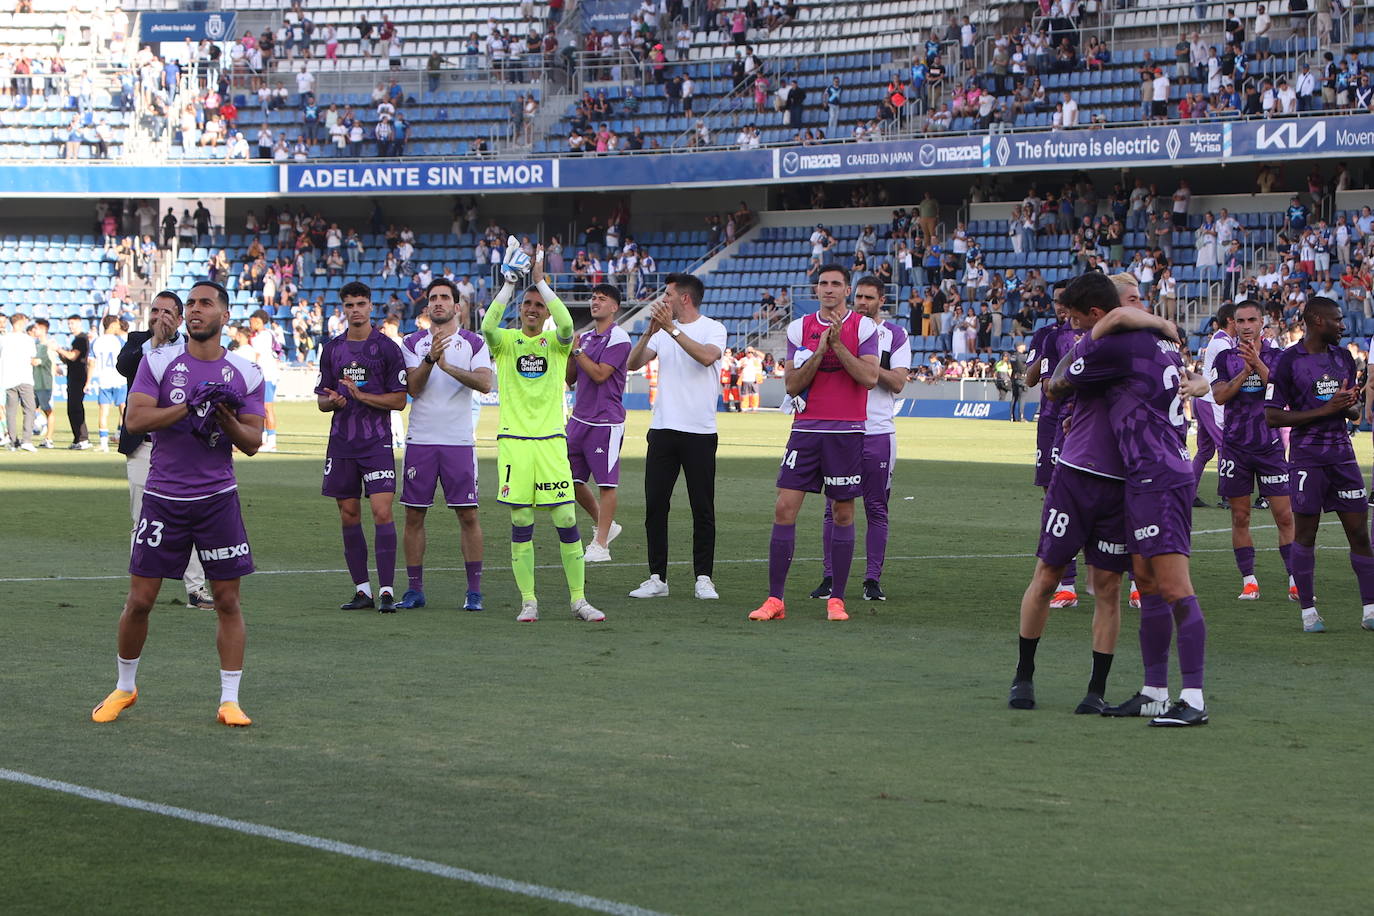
(530,372)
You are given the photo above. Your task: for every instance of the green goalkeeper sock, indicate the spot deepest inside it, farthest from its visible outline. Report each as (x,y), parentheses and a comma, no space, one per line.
(570,549)
(522,559)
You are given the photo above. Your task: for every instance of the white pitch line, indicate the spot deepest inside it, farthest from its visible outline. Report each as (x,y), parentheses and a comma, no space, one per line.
(437,869)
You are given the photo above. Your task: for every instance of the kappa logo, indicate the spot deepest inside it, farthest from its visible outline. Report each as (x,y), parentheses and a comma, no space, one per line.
(225,553)
(1148,531)
(600,450)
(844,481)
(379,475)
(180,367)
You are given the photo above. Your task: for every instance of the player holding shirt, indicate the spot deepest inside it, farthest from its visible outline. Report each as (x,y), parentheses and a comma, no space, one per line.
(362,379)
(532,447)
(880,442)
(1251,451)
(596,429)
(1210,415)
(265,355)
(1312,389)
(832,355)
(105,377)
(444,366)
(184,398)
(1135,357)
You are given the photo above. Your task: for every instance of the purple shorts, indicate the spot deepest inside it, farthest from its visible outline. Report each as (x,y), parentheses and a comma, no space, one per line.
(830,461)
(1084,512)
(880,458)
(1159,521)
(1046,453)
(594,452)
(455,466)
(1239,470)
(1328,488)
(352,477)
(169,529)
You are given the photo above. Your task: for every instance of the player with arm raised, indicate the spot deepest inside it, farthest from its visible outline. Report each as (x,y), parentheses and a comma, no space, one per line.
(532,447)
(444,366)
(880,442)
(832,354)
(199,404)
(1251,451)
(596,372)
(1312,389)
(362,379)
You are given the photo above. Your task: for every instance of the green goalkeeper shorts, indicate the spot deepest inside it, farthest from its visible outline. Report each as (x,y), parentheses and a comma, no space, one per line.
(533,472)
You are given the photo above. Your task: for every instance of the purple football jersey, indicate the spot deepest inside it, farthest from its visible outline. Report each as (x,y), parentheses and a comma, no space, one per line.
(1058,342)
(1306,381)
(602,404)
(1090,442)
(1141,373)
(377,366)
(182,466)
(1245,429)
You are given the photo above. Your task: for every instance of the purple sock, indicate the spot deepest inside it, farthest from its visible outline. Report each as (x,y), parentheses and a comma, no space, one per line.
(1364,575)
(386,554)
(474,571)
(1156,633)
(1286,551)
(875,539)
(1070,573)
(1245,560)
(415,578)
(1192,641)
(842,549)
(355,553)
(827,532)
(780,548)
(1303,565)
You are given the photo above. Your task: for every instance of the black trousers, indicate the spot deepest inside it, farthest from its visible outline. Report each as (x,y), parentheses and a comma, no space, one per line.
(669,452)
(76,412)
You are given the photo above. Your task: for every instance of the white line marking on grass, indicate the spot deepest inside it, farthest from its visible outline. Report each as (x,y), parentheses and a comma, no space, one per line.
(437,869)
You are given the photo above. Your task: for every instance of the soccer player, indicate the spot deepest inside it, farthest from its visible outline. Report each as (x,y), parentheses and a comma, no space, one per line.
(362,379)
(200,404)
(264,353)
(77,360)
(1048,346)
(1135,358)
(596,429)
(1251,450)
(1312,389)
(164,332)
(532,447)
(1210,414)
(880,442)
(444,366)
(105,378)
(751,379)
(832,355)
(1083,511)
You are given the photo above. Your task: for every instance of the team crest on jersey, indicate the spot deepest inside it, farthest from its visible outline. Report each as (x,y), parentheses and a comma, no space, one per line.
(532,365)
(505,490)
(227,374)
(410,472)
(1324,387)
(543,341)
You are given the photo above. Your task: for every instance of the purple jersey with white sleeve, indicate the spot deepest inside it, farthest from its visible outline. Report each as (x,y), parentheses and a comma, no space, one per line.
(1141,373)
(377,366)
(1245,429)
(1090,443)
(602,404)
(182,466)
(1058,343)
(1302,381)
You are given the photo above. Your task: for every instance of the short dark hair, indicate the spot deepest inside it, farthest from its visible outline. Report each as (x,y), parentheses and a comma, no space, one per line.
(355,288)
(221,293)
(1093,290)
(689,284)
(1321,303)
(1247,304)
(75,318)
(107,321)
(19,316)
(168,294)
(609,290)
(42,321)
(873,282)
(833,268)
(261,315)
(442,281)
(1225,313)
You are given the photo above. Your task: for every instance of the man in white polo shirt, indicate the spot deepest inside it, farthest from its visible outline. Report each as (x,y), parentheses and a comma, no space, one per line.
(682,434)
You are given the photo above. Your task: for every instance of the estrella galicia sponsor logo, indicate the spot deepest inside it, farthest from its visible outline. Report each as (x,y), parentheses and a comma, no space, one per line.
(387,474)
(1252,383)
(180,379)
(224,553)
(1325,387)
(1111,548)
(1149,531)
(854,481)
(355,373)
(532,365)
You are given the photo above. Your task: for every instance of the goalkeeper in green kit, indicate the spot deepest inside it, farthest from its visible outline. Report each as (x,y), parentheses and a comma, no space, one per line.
(532,449)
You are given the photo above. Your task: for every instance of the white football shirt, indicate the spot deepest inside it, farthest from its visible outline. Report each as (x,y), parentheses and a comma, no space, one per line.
(442,413)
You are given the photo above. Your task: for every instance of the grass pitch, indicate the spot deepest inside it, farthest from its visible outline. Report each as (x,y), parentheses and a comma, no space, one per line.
(677,757)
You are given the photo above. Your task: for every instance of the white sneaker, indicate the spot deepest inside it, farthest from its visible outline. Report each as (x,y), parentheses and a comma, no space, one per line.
(583,610)
(27,447)
(595,553)
(529,612)
(266,448)
(706,588)
(613,532)
(652,587)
